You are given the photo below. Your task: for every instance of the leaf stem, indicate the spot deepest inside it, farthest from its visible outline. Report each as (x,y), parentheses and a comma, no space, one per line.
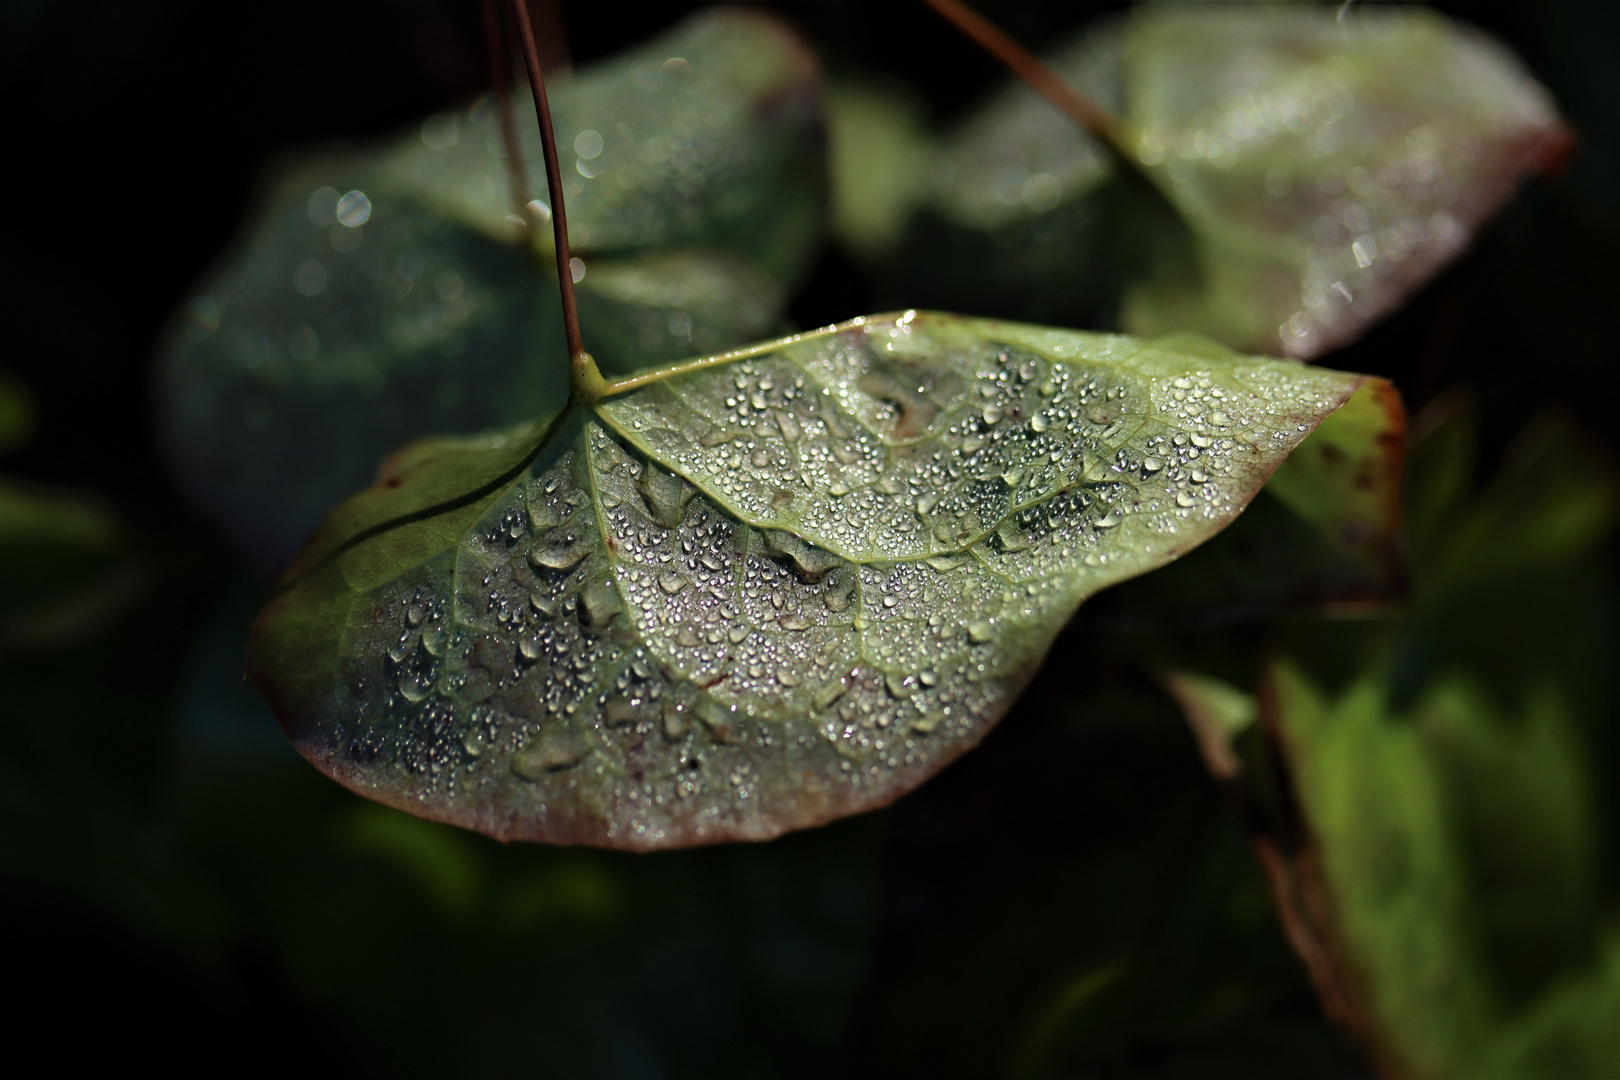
(500,78)
(585,382)
(1034,71)
(647,378)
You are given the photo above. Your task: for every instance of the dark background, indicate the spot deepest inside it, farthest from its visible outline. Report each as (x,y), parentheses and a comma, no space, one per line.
(182,889)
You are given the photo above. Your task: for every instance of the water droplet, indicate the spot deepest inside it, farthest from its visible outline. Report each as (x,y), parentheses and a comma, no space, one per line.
(559,551)
(588,144)
(554,751)
(828,695)
(353,210)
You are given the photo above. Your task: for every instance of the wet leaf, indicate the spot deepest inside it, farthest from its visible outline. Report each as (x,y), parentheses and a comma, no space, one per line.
(1324,533)
(761,594)
(1327,165)
(386,296)
(300,364)
(1312,170)
(708,136)
(1018,207)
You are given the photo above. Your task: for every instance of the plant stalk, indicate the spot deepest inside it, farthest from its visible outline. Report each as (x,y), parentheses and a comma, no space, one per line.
(1027,66)
(585,382)
(500,78)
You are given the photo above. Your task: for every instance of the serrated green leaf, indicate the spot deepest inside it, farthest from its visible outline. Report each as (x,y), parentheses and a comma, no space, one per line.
(761,593)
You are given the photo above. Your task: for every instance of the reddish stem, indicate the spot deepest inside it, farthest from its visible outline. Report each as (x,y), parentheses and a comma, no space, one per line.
(1029,67)
(582,369)
(500,77)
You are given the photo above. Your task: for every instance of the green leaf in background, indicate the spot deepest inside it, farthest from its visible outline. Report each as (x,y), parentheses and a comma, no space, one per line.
(66,569)
(1328,162)
(1441,883)
(708,136)
(780,588)
(1021,195)
(669,306)
(392,295)
(879,152)
(1323,163)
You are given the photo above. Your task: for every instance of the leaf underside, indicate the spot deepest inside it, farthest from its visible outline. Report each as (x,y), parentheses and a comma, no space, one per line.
(762,594)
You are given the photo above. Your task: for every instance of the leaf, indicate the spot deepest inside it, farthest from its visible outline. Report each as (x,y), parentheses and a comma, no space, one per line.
(301,364)
(1431,823)
(1419,789)
(1312,170)
(1327,165)
(670,306)
(878,155)
(66,570)
(707,136)
(781,587)
(65,565)
(1020,205)
(1324,533)
(386,296)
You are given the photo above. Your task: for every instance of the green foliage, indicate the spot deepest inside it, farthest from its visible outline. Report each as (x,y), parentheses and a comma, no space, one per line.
(393,294)
(1308,168)
(791,582)
(776,589)
(65,566)
(1324,532)
(1446,791)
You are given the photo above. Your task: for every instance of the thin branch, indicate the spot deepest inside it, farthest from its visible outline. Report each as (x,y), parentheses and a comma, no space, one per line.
(1029,67)
(500,78)
(585,382)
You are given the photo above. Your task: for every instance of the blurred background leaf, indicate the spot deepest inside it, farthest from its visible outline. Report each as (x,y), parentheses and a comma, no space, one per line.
(1443,852)
(390,294)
